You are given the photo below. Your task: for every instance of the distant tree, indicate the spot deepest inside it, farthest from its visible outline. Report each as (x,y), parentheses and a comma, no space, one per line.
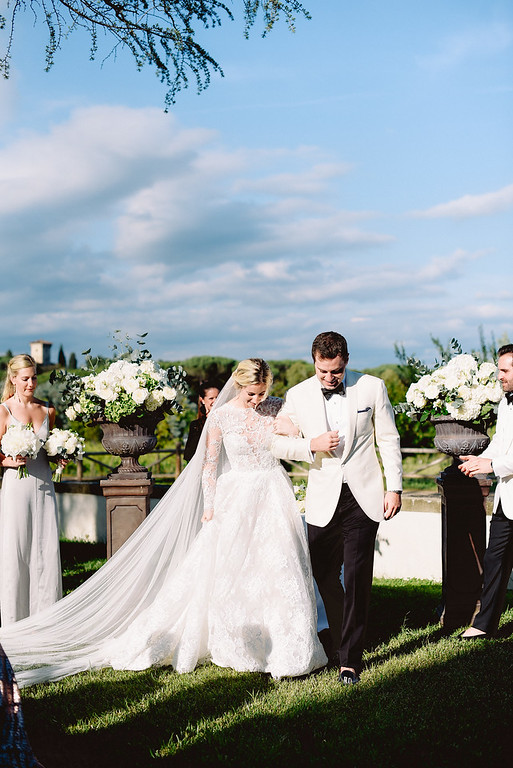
(72,362)
(288,373)
(159,33)
(9,354)
(61,359)
(205,368)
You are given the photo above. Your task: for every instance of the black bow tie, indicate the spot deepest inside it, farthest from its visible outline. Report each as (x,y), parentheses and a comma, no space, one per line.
(340,390)
(509,397)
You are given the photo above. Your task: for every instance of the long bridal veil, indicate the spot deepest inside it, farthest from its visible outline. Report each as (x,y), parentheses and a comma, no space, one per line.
(67,637)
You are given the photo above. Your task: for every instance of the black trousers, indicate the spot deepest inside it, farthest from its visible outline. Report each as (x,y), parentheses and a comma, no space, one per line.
(349,540)
(497,565)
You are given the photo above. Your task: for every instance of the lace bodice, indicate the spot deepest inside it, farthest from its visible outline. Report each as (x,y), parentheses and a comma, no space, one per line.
(245,434)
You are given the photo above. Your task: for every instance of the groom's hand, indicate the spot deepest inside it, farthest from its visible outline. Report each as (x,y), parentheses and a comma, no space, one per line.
(326,442)
(392,504)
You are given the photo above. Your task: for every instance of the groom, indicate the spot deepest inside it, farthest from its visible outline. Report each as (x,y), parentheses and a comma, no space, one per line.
(340,415)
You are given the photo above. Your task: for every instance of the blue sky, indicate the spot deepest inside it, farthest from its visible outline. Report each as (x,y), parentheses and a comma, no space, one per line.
(356,175)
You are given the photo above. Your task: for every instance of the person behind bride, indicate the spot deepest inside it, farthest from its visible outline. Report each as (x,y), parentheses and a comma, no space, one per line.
(208,393)
(219,571)
(30,567)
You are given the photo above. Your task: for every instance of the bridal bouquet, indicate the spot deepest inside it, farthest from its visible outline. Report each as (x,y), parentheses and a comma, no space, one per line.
(20,440)
(463,388)
(64,444)
(133,385)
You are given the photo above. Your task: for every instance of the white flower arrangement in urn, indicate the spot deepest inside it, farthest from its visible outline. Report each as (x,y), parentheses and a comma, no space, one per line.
(463,388)
(132,386)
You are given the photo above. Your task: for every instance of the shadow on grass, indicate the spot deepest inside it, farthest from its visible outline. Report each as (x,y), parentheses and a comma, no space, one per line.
(429,713)
(444,714)
(138,713)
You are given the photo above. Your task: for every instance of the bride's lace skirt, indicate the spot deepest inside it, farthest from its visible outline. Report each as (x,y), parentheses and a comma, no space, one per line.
(243,597)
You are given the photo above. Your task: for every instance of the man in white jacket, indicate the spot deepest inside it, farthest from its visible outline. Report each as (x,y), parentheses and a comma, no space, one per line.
(338,416)
(497,458)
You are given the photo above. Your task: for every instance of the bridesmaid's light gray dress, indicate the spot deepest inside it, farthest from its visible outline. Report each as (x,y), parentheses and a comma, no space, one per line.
(30,565)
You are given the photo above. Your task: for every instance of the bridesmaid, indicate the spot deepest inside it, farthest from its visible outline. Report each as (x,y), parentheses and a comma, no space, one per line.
(30,568)
(208,393)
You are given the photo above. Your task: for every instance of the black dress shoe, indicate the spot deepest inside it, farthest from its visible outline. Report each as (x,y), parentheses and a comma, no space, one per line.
(484,636)
(348,677)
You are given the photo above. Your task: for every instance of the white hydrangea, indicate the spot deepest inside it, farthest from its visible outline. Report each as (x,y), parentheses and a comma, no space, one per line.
(486,370)
(415,396)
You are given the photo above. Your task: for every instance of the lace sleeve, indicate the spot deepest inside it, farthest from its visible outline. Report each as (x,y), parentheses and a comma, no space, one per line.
(270,406)
(209,476)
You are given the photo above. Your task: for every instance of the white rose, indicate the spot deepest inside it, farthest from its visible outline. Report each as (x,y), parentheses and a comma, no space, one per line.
(130,384)
(432,390)
(139,395)
(169,393)
(71,413)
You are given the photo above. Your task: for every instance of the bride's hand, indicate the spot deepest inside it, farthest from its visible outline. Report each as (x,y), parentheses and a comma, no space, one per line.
(284,426)
(207,516)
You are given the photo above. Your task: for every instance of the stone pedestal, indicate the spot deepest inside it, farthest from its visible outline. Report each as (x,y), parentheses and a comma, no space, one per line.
(463,545)
(128,504)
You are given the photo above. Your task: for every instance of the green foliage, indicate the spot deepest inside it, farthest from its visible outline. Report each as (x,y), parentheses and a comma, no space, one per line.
(288,373)
(158,33)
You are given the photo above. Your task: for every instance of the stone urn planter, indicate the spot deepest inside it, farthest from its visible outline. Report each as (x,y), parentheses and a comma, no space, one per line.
(129,439)
(463,522)
(458,438)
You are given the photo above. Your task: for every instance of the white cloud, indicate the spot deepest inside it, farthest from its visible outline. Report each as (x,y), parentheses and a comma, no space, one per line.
(478,42)
(236,252)
(470,206)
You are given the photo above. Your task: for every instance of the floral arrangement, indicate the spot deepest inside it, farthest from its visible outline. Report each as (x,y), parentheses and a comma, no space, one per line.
(64,444)
(20,440)
(463,388)
(132,385)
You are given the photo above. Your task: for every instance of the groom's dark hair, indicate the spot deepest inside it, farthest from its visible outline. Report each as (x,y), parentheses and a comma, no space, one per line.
(328,345)
(507,349)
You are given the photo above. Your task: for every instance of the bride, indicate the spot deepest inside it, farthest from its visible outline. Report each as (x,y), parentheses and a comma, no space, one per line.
(236,590)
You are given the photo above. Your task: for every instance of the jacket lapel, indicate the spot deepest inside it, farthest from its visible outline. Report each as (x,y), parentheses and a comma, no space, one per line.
(352,408)
(318,410)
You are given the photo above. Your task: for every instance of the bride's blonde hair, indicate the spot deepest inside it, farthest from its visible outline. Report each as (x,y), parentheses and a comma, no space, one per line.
(253,371)
(15,364)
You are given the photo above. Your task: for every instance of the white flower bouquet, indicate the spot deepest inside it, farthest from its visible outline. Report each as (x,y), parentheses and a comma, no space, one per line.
(462,388)
(20,440)
(133,385)
(64,444)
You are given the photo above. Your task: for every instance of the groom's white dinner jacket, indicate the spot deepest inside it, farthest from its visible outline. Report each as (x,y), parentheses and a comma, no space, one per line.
(370,420)
(500,451)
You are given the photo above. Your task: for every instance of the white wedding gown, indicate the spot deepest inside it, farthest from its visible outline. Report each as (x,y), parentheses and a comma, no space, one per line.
(238,591)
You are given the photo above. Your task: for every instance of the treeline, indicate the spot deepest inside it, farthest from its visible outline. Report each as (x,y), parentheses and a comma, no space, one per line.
(287,373)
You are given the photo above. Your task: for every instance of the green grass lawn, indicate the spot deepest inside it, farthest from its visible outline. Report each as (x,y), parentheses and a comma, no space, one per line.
(424,700)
